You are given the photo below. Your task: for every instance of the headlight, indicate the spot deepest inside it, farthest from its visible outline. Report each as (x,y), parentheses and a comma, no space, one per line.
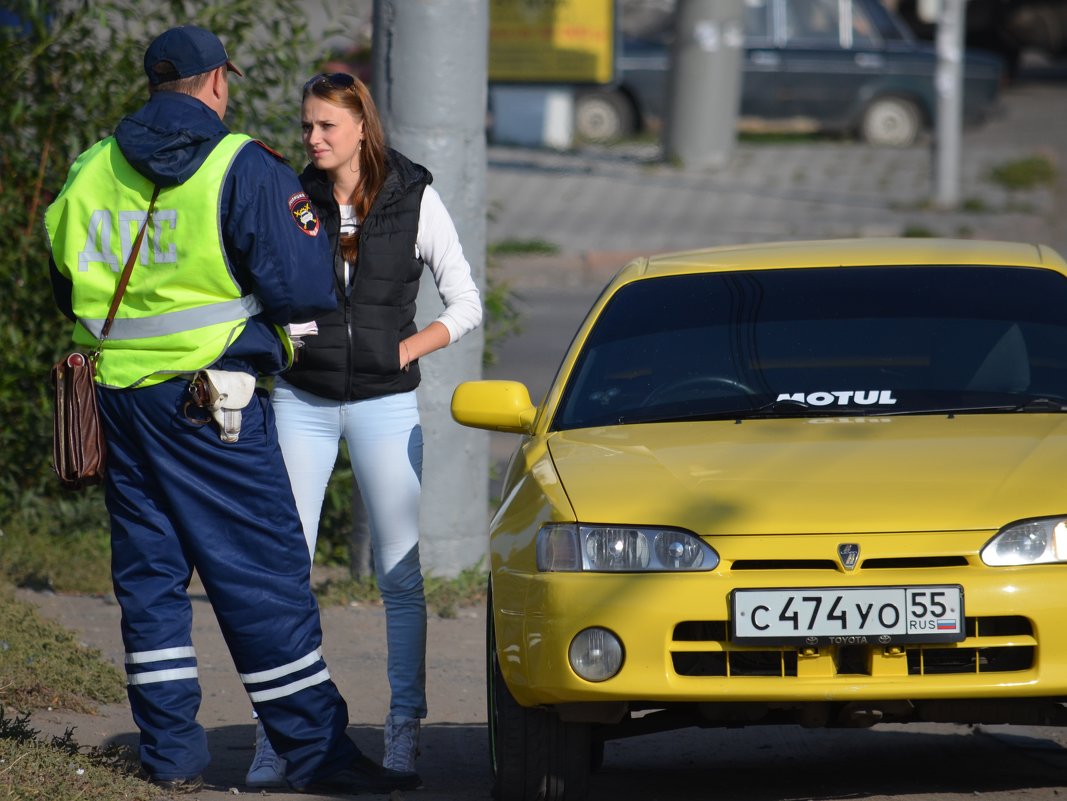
(595,654)
(570,547)
(1028,542)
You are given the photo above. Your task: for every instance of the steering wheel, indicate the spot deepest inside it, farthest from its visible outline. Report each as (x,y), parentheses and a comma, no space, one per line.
(694,386)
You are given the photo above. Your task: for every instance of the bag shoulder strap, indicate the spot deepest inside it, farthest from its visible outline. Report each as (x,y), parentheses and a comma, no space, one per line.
(124,279)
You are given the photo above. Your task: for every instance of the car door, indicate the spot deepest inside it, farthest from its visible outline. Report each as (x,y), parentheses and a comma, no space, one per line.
(829,53)
(762,91)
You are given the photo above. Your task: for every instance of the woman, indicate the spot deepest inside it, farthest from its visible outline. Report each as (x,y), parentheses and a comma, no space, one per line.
(357,367)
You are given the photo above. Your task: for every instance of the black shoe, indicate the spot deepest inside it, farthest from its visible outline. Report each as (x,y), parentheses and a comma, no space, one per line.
(180,786)
(363,775)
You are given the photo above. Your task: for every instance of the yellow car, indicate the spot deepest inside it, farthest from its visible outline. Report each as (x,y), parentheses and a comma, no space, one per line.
(807,482)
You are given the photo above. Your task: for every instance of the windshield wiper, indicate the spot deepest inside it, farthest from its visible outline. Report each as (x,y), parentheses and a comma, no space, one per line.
(1041,405)
(776,408)
(1036,405)
(787,407)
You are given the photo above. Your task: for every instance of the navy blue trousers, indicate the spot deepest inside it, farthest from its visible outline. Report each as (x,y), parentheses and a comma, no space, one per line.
(181,499)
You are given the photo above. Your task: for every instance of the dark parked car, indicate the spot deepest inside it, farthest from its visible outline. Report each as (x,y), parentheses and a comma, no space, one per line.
(847,66)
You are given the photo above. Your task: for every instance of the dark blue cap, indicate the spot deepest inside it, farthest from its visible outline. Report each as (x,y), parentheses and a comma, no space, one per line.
(183,52)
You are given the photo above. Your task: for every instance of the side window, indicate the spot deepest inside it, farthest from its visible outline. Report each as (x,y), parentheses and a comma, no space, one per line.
(863,34)
(756,22)
(809,22)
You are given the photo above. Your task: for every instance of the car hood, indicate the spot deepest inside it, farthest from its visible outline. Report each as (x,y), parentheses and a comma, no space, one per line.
(819,475)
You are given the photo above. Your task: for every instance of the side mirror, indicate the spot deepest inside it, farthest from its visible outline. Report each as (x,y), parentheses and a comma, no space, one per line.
(494,405)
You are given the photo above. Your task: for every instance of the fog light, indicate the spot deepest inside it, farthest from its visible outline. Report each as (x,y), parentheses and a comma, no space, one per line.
(596,654)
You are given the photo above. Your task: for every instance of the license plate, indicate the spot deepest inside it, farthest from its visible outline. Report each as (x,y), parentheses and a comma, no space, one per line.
(849,615)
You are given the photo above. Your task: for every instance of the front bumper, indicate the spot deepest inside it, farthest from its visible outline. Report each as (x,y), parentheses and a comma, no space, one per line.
(675,632)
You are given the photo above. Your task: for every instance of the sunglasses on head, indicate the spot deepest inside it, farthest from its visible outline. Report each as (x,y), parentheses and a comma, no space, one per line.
(338,80)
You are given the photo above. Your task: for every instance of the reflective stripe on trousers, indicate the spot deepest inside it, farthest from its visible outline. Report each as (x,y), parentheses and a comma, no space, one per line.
(180,499)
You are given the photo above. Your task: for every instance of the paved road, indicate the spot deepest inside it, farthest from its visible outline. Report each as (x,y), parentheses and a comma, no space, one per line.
(628,199)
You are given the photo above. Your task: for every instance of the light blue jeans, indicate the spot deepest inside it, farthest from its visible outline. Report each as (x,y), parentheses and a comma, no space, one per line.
(384,439)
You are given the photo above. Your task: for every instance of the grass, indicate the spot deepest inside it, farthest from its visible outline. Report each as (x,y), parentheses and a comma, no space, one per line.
(522,247)
(76,564)
(81,566)
(44,667)
(917,231)
(1025,173)
(444,597)
(780,137)
(34,769)
(974,205)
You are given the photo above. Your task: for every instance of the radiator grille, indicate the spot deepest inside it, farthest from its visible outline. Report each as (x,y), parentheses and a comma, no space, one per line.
(992,645)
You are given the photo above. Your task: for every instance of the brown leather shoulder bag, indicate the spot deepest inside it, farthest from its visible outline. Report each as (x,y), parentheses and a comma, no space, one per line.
(79,452)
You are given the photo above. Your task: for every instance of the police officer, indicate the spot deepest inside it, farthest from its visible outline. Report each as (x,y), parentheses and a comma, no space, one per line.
(231,254)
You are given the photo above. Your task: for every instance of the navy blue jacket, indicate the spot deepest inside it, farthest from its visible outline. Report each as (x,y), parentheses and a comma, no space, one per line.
(291,273)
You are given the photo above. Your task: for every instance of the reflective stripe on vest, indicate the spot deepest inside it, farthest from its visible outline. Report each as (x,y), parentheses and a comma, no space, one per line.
(182,307)
(176,322)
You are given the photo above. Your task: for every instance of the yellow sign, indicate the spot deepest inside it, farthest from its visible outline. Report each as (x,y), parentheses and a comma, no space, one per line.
(552,41)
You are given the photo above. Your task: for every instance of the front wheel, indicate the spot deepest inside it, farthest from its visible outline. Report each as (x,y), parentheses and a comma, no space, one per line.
(602,116)
(534,755)
(891,122)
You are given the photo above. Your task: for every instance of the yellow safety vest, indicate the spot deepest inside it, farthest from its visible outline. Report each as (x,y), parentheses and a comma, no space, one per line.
(182,307)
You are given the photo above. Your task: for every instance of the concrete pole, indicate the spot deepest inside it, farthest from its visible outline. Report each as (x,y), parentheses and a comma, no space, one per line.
(430,83)
(949,80)
(705,85)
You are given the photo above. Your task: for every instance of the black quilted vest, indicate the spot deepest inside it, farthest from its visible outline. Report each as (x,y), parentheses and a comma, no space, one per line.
(355,354)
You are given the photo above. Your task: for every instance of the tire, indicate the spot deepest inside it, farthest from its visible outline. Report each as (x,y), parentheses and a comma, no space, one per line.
(891,122)
(596,755)
(602,116)
(533,754)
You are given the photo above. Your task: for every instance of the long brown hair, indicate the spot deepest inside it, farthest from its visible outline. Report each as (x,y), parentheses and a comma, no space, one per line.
(355,98)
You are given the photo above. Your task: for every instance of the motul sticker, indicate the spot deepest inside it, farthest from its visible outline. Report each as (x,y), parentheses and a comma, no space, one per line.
(303,214)
(861,397)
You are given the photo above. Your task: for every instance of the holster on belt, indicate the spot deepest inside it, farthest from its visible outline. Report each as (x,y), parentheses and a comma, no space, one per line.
(223,393)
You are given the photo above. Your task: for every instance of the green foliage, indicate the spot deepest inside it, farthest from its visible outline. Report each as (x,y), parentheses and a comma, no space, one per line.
(502,318)
(71,72)
(1025,173)
(335,519)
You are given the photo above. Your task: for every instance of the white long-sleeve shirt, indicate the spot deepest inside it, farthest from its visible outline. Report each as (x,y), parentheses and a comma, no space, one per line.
(438,245)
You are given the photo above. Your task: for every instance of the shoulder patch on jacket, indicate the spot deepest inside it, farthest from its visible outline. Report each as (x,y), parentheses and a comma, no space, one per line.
(303,214)
(270,150)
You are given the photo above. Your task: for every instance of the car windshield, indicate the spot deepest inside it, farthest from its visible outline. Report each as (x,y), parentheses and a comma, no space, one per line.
(824,341)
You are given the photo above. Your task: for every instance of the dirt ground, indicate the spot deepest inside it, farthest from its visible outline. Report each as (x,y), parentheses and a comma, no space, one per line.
(454,760)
